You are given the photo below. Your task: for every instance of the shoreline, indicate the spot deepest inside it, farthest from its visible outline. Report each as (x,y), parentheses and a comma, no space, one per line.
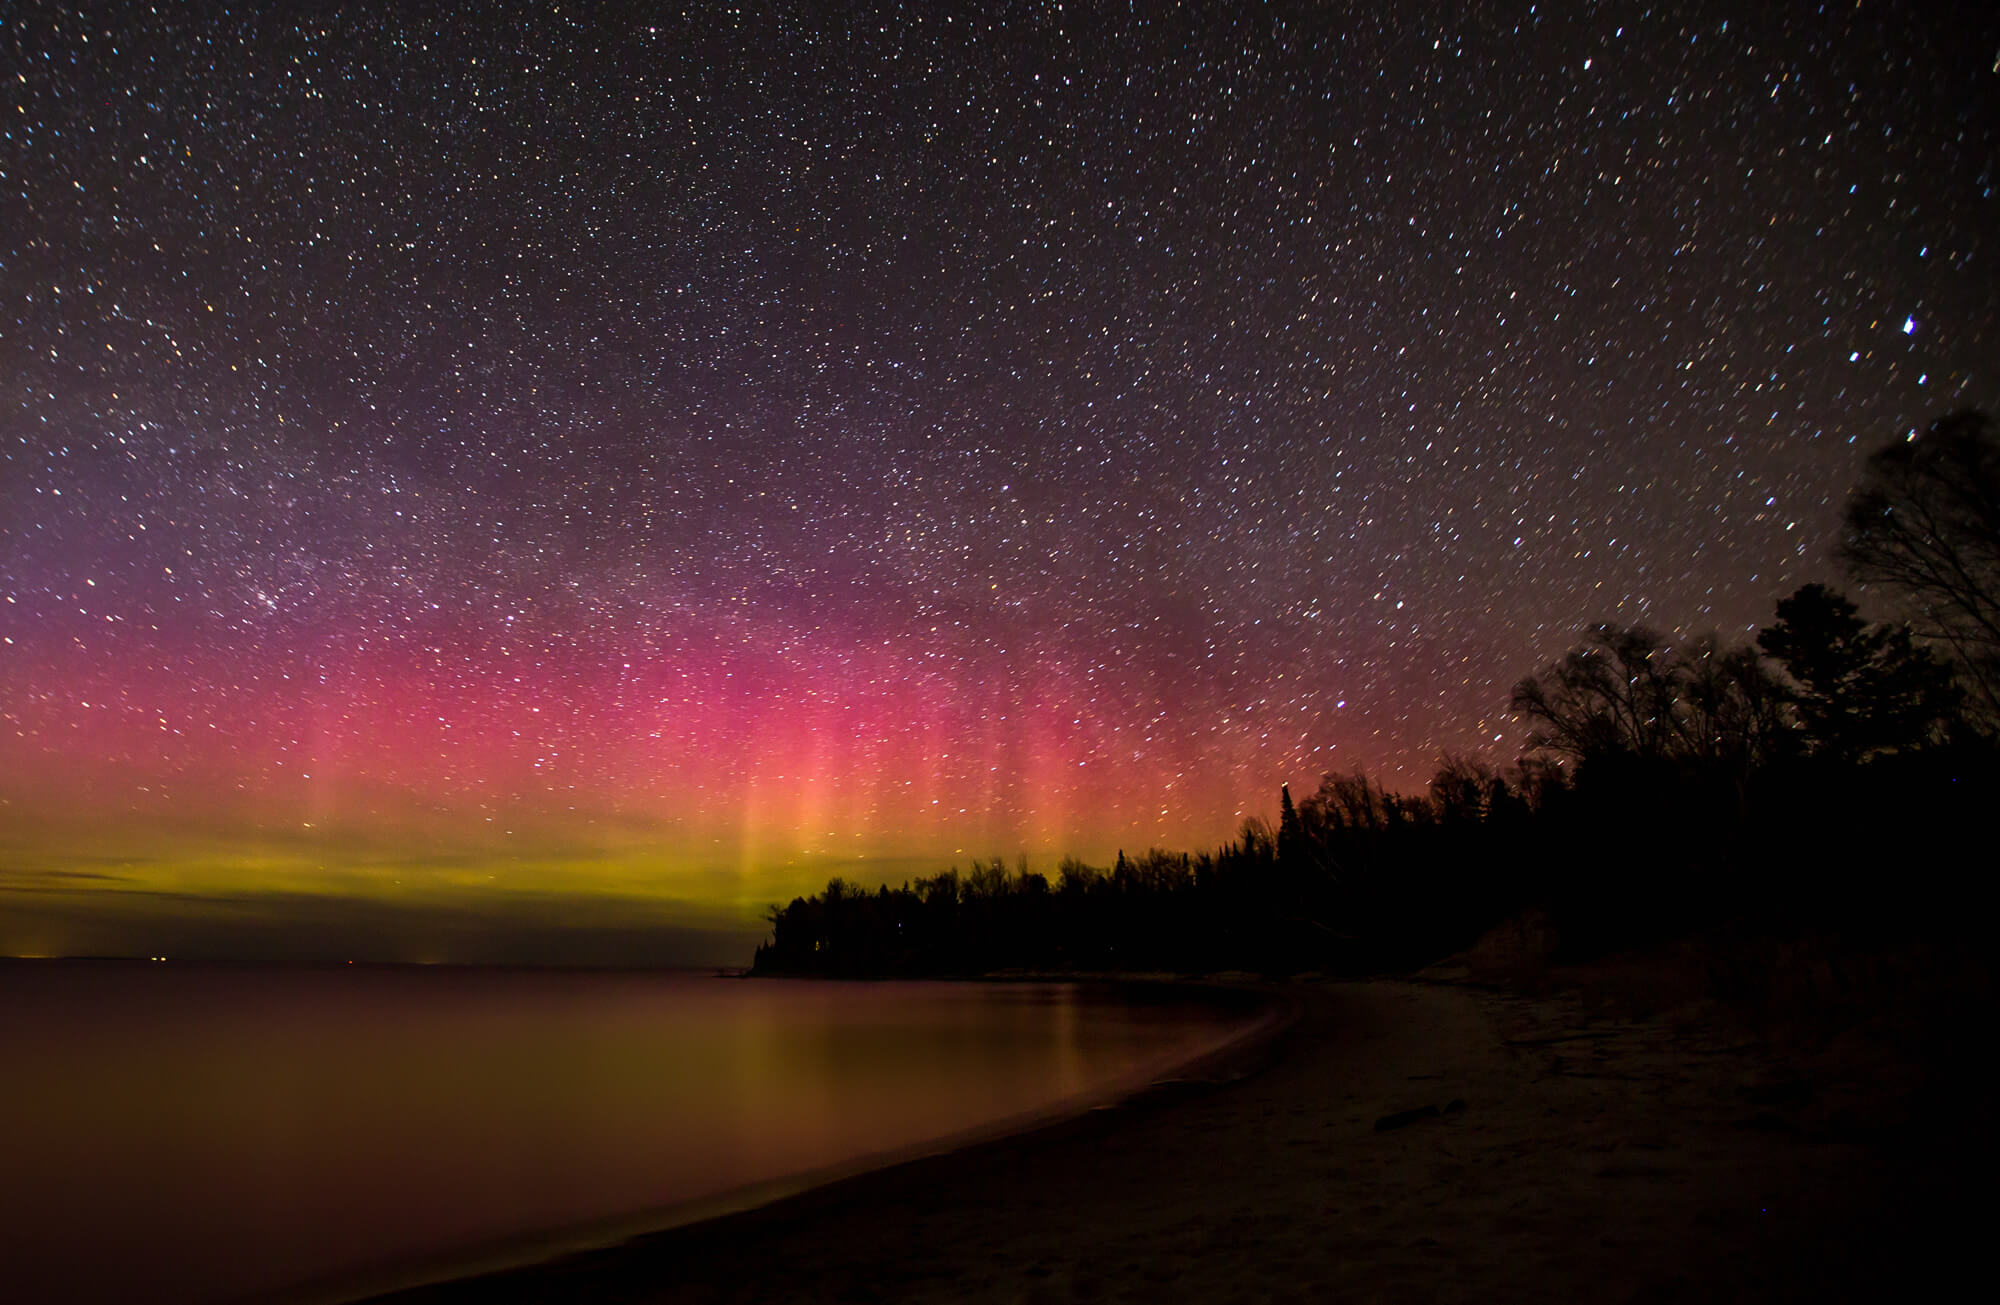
(1594,1157)
(1270,1012)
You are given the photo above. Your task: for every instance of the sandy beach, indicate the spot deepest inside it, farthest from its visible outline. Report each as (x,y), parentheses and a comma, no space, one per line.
(1571,1155)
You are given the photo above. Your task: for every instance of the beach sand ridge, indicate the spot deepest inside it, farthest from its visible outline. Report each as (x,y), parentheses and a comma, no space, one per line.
(1550,1153)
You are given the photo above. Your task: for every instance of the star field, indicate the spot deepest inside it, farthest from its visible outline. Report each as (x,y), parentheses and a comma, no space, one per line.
(681,455)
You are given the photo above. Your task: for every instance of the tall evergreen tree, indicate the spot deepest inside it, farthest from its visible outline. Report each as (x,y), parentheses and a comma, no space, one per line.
(1861,688)
(1291,836)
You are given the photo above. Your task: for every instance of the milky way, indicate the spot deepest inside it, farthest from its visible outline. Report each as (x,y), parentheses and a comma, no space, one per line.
(675,458)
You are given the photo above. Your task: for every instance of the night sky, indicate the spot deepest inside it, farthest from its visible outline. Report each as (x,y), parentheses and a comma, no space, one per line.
(468,479)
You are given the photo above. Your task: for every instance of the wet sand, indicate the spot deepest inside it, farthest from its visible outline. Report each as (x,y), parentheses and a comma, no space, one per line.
(1593,1159)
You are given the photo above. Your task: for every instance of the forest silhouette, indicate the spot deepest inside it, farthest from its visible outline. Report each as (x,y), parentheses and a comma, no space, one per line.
(1830,775)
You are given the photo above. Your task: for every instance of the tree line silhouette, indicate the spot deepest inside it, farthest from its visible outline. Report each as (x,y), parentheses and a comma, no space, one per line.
(1834,773)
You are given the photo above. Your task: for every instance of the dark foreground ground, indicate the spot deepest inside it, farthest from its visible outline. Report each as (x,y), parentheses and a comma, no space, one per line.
(1596,1156)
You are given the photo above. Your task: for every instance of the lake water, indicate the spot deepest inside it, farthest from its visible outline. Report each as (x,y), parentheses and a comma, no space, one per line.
(191,1134)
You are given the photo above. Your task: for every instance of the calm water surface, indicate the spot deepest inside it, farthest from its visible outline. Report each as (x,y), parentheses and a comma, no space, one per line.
(188,1134)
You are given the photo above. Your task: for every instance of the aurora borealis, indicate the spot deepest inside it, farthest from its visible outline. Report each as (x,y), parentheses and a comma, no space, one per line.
(528,473)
